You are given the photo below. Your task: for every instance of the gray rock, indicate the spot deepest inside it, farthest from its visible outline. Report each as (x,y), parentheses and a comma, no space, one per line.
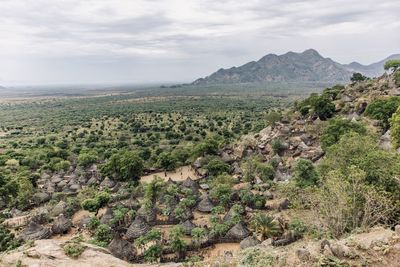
(61,225)
(59,208)
(41,197)
(248,242)
(303,254)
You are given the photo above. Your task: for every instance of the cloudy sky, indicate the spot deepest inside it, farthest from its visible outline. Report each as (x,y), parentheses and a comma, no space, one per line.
(144,41)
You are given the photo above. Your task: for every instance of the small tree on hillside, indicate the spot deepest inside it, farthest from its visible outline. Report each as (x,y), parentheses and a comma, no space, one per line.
(392,65)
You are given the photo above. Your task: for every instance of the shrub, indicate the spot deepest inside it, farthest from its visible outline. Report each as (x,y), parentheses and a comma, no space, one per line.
(277,146)
(85,159)
(102,235)
(383,109)
(221,194)
(74,249)
(216,167)
(167,161)
(8,240)
(298,227)
(393,65)
(123,166)
(395,128)
(264,225)
(338,127)
(324,108)
(90,204)
(358,77)
(305,173)
(152,254)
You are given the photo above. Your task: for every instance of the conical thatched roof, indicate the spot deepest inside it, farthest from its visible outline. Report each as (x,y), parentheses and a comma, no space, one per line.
(150,215)
(189,183)
(131,203)
(138,228)
(61,225)
(230,214)
(35,231)
(250,241)
(107,216)
(188,226)
(238,232)
(205,204)
(121,249)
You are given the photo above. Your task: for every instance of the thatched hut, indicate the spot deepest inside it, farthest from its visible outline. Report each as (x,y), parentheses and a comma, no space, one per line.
(138,228)
(121,248)
(205,204)
(248,242)
(238,232)
(187,227)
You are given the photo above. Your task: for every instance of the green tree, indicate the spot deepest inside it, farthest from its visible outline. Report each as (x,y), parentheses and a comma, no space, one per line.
(264,225)
(358,77)
(383,109)
(167,161)
(123,166)
(216,167)
(305,173)
(324,107)
(177,244)
(393,65)
(337,128)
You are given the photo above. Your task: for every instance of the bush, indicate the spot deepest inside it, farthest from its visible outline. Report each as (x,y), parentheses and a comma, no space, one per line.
(90,204)
(85,159)
(338,127)
(216,167)
(305,173)
(277,146)
(103,235)
(123,166)
(395,128)
(221,194)
(383,109)
(358,77)
(167,161)
(324,108)
(74,249)
(8,240)
(360,187)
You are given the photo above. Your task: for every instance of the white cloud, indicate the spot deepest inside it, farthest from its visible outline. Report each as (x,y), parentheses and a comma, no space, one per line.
(204,33)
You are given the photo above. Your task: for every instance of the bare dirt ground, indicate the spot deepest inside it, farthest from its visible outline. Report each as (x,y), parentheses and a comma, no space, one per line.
(180,174)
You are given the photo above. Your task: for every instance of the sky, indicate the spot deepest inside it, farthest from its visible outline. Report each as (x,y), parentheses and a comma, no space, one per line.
(157,41)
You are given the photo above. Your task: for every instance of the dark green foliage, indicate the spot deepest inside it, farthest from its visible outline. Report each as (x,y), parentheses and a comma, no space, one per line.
(383,109)
(338,127)
(322,106)
(87,158)
(277,146)
(216,167)
(7,240)
(102,235)
(358,77)
(353,150)
(167,161)
(221,194)
(123,166)
(74,249)
(99,200)
(305,173)
(393,65)
(153,253)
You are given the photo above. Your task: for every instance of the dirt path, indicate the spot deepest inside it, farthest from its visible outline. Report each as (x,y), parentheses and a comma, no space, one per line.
(180,174)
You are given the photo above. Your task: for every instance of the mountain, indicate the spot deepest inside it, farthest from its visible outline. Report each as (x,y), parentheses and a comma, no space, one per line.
(372,70)
(308,66)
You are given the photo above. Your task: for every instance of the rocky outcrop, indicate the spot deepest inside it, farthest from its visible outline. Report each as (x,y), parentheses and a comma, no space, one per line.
(35,231)
(61,225)
(122,249)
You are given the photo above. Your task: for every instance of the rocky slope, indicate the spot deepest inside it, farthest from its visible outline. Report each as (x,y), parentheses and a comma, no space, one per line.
(50,229)
(308,66)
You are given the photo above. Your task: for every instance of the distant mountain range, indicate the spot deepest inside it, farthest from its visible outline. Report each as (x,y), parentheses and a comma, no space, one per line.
(308,66)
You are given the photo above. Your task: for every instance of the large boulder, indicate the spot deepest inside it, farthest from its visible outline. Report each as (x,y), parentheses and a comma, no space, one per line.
(121,249)
(59,208)
(248,242)
(35,231)
(61,225)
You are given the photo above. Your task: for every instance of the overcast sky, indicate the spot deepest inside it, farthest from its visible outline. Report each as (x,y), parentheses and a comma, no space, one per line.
(142,41)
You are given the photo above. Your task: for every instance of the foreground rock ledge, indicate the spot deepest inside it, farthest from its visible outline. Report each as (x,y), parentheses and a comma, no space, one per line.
(49,253)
